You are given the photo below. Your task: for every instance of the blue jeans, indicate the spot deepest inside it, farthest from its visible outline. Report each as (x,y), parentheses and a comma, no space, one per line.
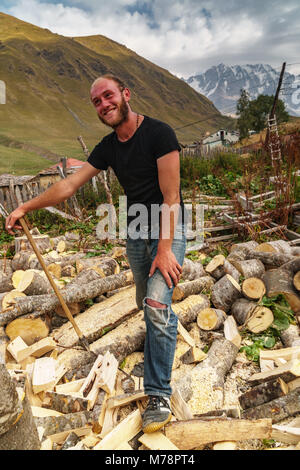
(161,323)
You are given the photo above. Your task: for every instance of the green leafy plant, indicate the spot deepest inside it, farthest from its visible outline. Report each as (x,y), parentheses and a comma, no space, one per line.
(283,317)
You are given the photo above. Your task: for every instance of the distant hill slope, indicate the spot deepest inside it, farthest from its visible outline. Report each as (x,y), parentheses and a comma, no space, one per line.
(48,77)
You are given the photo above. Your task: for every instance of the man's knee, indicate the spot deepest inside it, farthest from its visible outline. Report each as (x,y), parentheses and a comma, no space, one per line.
(155,304)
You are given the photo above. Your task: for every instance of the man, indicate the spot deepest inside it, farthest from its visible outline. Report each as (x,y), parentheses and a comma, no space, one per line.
(144,154)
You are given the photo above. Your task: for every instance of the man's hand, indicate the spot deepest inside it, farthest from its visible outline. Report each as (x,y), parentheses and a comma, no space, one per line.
(12,219)
(166,262)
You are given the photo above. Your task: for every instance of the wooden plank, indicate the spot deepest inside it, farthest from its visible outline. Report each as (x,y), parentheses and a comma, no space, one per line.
(62,436)
(37,349)
(185,335)
(157,441)
(16,346)
(125,399)
(44,375)
(73,386)
(193,433)
(108,372)
(124,431)
(39,412)
(293,384)
(180,409)
(284,353)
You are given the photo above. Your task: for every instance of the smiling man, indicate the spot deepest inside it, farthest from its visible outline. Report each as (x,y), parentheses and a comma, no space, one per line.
(144,154)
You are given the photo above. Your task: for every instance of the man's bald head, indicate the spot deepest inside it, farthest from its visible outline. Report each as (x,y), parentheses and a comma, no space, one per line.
(110,76)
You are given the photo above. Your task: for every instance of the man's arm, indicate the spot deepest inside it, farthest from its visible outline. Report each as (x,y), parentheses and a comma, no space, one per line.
(169,182)
(57,193)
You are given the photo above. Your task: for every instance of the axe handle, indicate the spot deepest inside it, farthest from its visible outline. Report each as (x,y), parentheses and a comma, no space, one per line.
(55,288)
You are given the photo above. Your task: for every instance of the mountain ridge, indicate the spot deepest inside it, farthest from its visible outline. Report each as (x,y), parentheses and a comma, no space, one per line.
(48,77)
(222,84)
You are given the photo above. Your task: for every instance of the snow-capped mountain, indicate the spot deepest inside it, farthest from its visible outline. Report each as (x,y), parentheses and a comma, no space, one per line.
(222,84)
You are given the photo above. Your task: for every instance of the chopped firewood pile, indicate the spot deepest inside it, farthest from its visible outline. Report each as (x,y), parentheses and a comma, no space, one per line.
(74,399)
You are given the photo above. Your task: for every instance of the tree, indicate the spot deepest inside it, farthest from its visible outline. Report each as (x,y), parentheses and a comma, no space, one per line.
(254,114)
(243,122)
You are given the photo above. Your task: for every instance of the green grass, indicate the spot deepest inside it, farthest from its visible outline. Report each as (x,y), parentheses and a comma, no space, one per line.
(19,162)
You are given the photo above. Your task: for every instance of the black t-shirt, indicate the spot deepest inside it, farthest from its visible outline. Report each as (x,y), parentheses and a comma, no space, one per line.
(135,161)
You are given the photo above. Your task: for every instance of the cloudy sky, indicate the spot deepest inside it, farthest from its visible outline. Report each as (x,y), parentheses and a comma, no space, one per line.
(183,36)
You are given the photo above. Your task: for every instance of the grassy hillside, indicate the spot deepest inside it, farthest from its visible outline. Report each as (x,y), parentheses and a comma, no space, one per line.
(48,77)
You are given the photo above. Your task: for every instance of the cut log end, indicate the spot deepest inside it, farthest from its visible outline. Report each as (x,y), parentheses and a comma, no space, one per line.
(253,288)
(210,319)
(260,320)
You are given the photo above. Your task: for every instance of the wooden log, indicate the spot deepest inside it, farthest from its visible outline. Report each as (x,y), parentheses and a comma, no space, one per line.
(54,425)
(290,337)
(32,283)
(5,283)
(18,429)
(104,266)
(55,270)
(28,260)
(280,281)
(296,280)
(245,245)
(263,393)
(9,300)
(278,409)
(64,403)
(241,310)
(270,260)
(224,292)
(5,266)
(48,302)
(42,242)
(275,246)
(253,288)
(30,330)
(192,270)
(191,434)
(211,319)
(127,338)
(230,269)
(216,267)
(210,374)
(183,290)
(74,307)
(250,268)
(280,434)
(287,372)
(260,319)
(98,318)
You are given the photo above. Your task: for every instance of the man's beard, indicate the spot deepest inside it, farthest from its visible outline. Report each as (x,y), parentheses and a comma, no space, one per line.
(123,113)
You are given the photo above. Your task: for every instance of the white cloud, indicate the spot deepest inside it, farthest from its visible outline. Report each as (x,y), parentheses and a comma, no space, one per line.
(185,36)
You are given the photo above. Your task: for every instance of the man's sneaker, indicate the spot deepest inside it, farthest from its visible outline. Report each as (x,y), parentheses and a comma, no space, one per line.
(157,414)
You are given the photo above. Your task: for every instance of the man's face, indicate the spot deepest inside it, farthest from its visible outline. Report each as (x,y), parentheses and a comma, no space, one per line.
(110,102)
